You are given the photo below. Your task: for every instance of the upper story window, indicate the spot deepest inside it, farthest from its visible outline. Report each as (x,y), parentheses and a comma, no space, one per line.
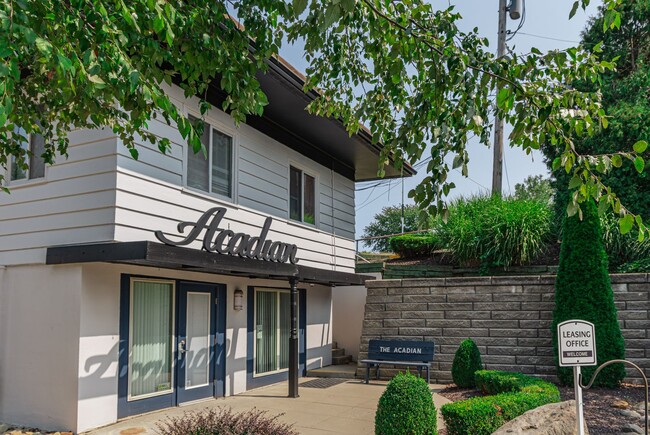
(35,144)
(213,174)
(302,196)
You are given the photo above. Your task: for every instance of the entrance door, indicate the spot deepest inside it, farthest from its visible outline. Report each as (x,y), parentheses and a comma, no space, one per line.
(196,342)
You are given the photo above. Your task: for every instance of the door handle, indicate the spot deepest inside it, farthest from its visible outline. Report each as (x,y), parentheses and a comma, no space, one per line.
(181,346)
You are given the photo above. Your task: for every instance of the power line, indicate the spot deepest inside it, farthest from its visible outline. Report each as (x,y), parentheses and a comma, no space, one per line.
(548,37)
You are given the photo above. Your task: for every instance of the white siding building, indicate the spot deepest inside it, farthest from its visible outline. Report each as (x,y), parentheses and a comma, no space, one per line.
(99,320)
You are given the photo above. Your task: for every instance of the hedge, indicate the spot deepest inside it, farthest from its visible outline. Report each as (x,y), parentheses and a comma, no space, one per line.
(414,245)
(512,394)
(467,361)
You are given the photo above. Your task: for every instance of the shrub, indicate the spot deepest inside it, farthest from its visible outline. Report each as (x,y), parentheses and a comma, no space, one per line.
(637,266)
(622,249)
(466,362)
(223,421)
(583,291)
(406,407)
(514,395)
(496,231)
(414,245)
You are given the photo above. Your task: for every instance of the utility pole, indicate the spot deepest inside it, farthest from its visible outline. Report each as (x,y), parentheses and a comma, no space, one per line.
(497,162)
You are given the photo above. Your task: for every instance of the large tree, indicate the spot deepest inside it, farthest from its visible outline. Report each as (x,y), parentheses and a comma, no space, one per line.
(401,67)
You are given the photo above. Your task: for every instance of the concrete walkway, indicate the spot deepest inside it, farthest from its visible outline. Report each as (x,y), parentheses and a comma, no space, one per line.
(346,408)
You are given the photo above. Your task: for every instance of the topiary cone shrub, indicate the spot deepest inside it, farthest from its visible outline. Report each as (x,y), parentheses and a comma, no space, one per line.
(406,407)
(583,291)
(467,361)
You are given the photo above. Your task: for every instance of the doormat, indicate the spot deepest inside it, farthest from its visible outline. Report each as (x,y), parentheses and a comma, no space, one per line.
(323,382)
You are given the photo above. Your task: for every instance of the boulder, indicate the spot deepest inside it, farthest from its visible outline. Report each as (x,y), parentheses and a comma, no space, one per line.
(552,419)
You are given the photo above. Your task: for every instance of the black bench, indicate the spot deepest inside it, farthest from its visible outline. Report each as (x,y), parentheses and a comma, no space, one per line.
(404,353)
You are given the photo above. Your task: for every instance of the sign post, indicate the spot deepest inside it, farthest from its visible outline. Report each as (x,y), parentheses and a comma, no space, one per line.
(577,347)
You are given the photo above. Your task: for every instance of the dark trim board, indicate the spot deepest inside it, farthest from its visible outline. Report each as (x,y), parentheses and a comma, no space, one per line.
(151,254)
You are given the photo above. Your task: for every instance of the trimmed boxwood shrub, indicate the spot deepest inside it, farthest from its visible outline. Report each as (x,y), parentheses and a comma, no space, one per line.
(406,407)
(583,291)
(514,394)
(466,362)
(414,245)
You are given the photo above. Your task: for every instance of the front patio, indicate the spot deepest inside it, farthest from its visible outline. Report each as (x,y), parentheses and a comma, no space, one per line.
(325,406)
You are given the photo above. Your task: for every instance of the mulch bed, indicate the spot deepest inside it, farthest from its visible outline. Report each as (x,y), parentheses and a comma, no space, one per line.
(600,413)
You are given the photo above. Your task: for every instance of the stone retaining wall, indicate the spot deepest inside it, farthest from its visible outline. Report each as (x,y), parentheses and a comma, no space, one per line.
(509,318)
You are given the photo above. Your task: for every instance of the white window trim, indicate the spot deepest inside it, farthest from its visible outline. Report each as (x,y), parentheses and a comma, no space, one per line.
(222,128)
(277,292)
(129,397)
(308,171)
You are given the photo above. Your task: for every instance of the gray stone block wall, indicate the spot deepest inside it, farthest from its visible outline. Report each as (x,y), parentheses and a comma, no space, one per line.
(509,318)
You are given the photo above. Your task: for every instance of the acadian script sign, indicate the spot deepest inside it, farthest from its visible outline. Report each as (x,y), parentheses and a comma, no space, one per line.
(224,241)
(576,343)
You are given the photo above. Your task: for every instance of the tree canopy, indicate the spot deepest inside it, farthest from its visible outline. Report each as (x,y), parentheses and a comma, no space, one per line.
(401,67)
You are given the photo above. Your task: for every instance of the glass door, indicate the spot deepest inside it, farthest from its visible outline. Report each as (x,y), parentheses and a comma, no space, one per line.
(195,363)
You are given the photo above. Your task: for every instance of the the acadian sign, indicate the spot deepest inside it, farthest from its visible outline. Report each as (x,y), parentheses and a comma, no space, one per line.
(576,343)
(225,241)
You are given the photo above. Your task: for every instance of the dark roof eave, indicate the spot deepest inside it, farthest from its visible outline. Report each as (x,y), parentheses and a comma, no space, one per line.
(151,254)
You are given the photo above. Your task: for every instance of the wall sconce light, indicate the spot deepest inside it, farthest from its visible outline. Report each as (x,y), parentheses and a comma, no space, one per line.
(239,300)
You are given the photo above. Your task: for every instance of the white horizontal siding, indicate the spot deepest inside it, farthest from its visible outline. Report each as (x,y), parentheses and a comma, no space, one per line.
(73,204)
(144,205)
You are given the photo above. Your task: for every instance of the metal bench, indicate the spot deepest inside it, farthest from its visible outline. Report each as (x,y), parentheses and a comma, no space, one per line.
(395,352)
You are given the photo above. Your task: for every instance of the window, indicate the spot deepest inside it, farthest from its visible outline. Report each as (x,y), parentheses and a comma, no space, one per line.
(150,337)
(272,329)
(302,196)
(35,144)
(214,173)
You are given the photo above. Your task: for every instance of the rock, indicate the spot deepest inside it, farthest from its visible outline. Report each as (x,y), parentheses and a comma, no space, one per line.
(620,404)
(552,419)
(629,413)
(640,407)
(4,428)
(631,428)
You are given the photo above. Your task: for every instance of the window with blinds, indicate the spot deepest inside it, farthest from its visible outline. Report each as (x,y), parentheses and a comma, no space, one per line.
(272,329)
(150,338)
(211,171)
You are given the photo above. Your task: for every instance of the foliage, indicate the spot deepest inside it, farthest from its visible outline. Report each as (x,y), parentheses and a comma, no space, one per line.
(224,421)
(514,394)
(496,231)
(534,187)
(406,407)
(68,64)
(414,245)
(625,93)
(621,248)
(467,361)
(583,291)
(389,221)
(637,266)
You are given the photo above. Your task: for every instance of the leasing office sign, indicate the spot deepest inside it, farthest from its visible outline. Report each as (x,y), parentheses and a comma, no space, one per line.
(225,241)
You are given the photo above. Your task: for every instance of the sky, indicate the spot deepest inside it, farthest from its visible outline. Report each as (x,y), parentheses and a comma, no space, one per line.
(547,27)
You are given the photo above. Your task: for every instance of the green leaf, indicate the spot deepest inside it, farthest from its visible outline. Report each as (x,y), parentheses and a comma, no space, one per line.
(574,9)
(617,160)
(299,6)
(640,146)
(158,24)
(44,47)
(502,98)
(639,164)
(572,209)
(625,223)
(575,182)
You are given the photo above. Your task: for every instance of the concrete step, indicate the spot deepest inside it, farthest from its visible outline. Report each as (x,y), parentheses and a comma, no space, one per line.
(337,352)
(346,371)
(339,360)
